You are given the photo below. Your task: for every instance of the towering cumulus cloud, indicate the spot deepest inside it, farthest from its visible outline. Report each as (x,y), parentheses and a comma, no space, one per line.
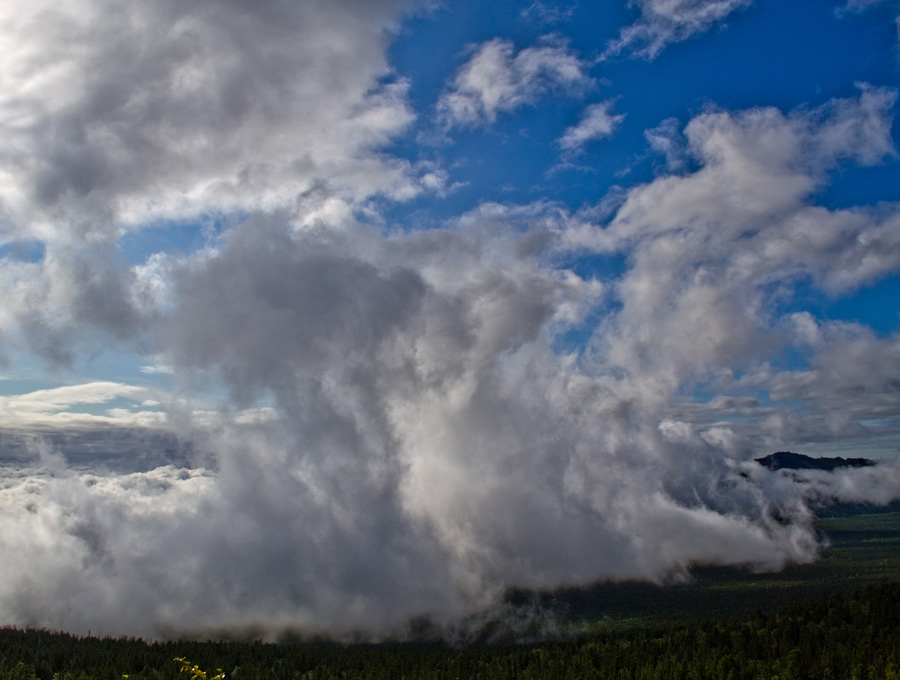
(379,423)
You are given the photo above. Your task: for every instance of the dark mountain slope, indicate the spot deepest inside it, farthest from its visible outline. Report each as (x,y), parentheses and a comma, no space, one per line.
(785,460)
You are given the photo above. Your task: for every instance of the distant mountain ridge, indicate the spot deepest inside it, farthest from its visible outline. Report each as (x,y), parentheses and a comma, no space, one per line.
(785,460)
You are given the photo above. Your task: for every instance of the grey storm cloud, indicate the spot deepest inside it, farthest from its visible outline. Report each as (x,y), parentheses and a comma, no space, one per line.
(398,430)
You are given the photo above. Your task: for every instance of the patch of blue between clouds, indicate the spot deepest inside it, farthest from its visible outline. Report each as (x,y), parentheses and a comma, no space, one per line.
(876,306)
(174,236)
(23,251)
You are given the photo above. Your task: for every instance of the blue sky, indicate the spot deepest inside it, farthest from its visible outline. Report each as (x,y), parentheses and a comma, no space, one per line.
(488,294)
(785,55)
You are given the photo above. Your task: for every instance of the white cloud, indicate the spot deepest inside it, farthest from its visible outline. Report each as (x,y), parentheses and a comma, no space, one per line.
(51,408)
(157,367)
(873,484)
(666,139)
(859,5)
(117,113)
(666,21)
(497,79)
(117,116)
(87,393)
(771,161)
(709,267)
(596,123)
(548,13)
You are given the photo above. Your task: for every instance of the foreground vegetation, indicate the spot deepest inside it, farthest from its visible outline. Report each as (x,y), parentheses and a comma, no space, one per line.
(837,618)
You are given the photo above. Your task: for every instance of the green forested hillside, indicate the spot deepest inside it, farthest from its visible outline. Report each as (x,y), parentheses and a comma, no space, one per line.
(837,637)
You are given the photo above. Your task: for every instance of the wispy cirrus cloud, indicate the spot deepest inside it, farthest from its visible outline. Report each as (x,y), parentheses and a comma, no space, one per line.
(663,22)
(859,6)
